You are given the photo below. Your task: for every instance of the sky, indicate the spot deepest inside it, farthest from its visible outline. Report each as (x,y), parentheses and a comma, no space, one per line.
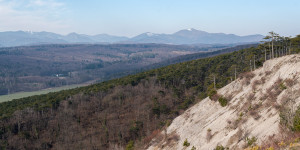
(133,17)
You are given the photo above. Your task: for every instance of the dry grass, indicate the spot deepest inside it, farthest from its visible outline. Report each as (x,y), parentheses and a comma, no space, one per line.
(273,91)
(234,124)
(155,133)
(209,135)
(246,106)
(251,97)
(249,75)
(228,122)
(290,82)
(276,106)
(264,96)
(237,123)
(236,137)
(269,103)
(172,139)
(284,99)
(246,77)
(263,80)
(268,73)
(254,114)
(229,96)
(253,110)
(215,97)
(284,140)
(255,84)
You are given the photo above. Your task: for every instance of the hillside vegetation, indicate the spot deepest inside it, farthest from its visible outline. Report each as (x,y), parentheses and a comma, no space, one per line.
(126,111)
(258,111)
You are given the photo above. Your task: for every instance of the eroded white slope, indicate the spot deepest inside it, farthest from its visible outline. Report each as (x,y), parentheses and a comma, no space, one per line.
(251,112)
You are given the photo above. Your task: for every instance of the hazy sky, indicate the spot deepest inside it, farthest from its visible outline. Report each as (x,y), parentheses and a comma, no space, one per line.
(132,17)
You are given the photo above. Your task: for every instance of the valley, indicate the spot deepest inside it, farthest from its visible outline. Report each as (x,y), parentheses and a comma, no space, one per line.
(31,68)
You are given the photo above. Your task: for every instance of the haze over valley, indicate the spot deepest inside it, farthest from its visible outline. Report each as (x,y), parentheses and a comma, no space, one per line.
(30,68)
(155,75)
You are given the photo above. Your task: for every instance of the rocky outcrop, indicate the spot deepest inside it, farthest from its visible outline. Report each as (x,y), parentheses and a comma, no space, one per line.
(252,114)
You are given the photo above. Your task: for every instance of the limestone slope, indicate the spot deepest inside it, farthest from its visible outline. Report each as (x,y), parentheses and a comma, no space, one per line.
(254,103)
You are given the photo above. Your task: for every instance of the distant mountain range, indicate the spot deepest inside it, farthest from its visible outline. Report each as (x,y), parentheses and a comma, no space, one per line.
(187,36)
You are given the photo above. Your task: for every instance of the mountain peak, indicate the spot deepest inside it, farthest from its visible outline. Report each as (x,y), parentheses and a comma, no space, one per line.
(149,34)
(191,29)
(185,36)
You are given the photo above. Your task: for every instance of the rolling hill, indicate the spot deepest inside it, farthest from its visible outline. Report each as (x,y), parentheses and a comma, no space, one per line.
(193,36)
(188,36)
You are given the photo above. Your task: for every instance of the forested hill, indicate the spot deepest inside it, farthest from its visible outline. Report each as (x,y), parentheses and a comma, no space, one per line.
(126,112)
(194,56)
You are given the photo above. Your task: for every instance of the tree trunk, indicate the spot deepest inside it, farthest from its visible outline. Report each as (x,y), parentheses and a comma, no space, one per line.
(214,81)
(265,54)
(272,47)
(250,66)
(290,48)
(235,73)
(254,63)
(270,51)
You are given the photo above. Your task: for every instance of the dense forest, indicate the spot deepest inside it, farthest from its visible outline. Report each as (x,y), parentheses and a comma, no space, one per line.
(129,111)
(193,56)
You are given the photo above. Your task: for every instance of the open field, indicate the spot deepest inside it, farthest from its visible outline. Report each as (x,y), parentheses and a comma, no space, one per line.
(18,95)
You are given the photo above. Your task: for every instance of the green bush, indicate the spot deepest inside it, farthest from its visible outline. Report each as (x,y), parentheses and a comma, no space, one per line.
(186,143)
(155,106)
(186,103)
(251,141)
(202,95)
(136,127)
(211,93)
(130,145)
(285,119)
(296,123)
(282,86)
(220,147)
(164,109)
(222,101)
